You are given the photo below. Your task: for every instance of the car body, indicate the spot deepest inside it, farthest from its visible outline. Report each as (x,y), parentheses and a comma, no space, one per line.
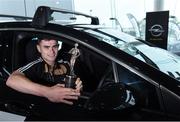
(123,78)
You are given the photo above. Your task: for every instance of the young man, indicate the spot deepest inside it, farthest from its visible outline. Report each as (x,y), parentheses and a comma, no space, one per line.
(40,76)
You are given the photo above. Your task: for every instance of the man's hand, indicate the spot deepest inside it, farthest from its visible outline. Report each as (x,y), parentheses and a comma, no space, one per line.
(58,93)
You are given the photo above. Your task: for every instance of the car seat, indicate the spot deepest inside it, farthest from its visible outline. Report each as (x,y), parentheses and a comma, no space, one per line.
(25,51)
(31,52)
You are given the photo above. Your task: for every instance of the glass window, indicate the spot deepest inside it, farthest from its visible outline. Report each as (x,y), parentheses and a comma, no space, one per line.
(147,93)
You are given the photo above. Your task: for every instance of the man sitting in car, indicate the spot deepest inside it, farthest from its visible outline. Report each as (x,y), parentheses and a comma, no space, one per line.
(37,77)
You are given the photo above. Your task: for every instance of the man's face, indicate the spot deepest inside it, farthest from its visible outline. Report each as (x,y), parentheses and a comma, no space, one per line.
(48,50)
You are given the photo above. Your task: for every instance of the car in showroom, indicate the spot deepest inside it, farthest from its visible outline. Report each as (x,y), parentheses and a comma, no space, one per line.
(123,78)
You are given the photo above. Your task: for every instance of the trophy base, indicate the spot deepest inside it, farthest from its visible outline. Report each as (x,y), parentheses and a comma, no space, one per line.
(70,81)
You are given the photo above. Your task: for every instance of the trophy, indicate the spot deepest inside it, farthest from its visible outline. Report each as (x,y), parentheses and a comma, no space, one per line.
(71,77)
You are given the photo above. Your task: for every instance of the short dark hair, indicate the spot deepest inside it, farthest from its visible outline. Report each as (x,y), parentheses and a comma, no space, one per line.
(45,37)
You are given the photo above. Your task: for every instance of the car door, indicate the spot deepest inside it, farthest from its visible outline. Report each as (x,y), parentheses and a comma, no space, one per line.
(148,94)
(6,44)
(5,61)
(171,97)
(142,99)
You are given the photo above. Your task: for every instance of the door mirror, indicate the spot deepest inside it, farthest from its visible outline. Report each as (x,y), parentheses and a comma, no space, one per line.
(112,96)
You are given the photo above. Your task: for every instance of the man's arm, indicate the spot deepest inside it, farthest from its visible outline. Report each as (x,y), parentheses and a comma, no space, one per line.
(57,93)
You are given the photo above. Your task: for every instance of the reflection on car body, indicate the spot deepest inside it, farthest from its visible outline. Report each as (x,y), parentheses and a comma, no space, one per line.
(123,78)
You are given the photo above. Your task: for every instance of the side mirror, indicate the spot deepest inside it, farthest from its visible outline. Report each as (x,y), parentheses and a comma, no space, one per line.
(112,96)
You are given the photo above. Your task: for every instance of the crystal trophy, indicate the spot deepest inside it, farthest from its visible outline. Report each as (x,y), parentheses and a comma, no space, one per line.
(71,77)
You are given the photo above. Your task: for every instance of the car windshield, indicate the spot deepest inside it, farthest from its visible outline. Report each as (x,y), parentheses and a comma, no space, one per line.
(159,58)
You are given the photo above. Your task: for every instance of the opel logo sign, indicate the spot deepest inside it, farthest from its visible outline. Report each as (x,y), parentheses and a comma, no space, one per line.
(156,30)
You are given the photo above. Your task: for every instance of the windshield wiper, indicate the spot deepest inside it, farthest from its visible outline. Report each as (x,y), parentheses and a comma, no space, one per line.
(148,60)
(171,74)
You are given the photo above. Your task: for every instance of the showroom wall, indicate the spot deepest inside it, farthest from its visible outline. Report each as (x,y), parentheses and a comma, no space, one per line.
(28,7)
(105,9)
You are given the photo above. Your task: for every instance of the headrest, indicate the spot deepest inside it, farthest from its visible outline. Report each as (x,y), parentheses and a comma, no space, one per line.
(31,51)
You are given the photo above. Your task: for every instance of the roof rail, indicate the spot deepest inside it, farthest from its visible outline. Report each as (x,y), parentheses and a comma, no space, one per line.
(16,17)
(43,15)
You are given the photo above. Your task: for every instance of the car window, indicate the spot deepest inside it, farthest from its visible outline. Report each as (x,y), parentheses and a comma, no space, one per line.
(139,92)
(89,66)
(147,92)
(92,68)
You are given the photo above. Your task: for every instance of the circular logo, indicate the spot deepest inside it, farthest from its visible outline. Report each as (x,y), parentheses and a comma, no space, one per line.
(156,30)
